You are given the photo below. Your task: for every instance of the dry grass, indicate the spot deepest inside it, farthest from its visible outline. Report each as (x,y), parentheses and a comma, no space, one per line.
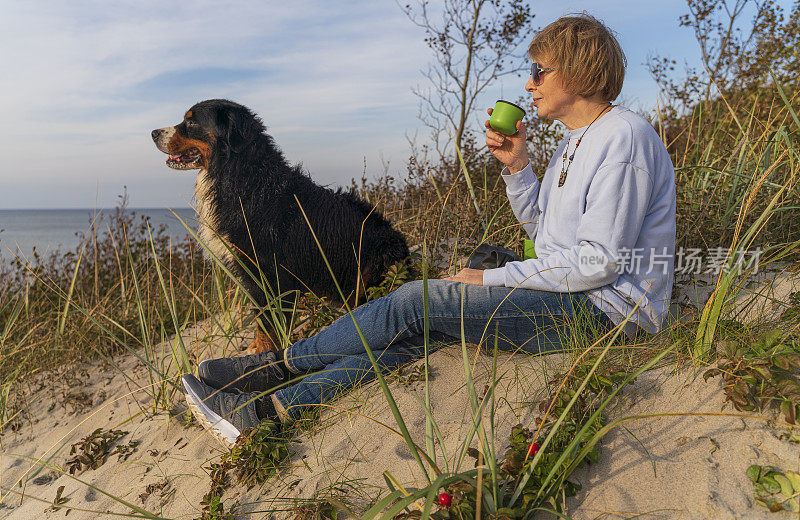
(128,290)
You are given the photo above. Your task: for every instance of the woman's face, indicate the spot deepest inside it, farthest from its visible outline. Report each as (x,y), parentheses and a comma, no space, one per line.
(550,98)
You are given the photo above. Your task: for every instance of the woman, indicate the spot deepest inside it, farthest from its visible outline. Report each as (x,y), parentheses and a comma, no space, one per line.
(603,222)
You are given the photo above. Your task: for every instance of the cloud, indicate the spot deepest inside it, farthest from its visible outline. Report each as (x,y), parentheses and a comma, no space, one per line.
(89,82)
(86,81)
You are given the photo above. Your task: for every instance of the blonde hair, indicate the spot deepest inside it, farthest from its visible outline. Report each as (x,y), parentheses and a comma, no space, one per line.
(588,57)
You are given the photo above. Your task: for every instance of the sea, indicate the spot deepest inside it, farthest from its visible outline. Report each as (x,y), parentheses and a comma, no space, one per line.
(50,230)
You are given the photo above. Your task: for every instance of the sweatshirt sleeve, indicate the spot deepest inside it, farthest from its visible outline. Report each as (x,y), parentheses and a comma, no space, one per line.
(522,189)
(616,204)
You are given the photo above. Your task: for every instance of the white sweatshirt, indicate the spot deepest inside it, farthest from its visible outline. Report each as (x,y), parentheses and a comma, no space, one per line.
(609,230)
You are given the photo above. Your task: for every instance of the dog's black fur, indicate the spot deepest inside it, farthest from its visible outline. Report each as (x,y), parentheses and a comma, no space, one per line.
(246,191)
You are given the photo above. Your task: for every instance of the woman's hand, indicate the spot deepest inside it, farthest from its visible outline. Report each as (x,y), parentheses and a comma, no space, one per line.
(470,276)
(509,149)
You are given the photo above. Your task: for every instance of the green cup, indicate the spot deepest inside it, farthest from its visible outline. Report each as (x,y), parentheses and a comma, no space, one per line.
(505,116)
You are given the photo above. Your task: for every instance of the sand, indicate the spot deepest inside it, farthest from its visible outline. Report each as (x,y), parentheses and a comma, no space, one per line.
(674,467)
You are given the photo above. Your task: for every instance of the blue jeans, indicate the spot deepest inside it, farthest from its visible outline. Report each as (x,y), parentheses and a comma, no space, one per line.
(533,321)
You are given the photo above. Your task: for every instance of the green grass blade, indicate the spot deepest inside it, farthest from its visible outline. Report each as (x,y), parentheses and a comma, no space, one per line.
(62,320)
(710,316)
(11,320)
(181,357)
(785,99)
(429,445)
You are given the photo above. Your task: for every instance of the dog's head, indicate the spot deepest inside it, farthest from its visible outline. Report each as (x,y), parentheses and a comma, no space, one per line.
(210,129)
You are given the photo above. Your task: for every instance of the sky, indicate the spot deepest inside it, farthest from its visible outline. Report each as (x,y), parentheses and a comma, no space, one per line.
(85,82)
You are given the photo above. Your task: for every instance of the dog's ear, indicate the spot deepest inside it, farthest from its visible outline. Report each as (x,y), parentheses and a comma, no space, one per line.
(233,133)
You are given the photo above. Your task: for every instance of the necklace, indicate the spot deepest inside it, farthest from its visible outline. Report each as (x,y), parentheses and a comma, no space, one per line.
(564,164)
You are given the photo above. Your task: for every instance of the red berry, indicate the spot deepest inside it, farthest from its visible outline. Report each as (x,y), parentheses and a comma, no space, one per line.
(532,449)
(445,500)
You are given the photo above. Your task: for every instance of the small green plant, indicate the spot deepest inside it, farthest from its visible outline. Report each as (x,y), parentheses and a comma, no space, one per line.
(93,450)
(163,488)
(396,275)
(519,455)
(123,451)
(774,489)
(763,373)
(213,509)
(188,420)
(320,312)
(315,510)
(59,500)
(257,454)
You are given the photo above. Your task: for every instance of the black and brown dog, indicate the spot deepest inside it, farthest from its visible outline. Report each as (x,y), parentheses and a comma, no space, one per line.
(245,195)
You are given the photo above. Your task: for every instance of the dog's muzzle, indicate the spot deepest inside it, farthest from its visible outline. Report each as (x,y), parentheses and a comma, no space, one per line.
(188,159)
(162,137)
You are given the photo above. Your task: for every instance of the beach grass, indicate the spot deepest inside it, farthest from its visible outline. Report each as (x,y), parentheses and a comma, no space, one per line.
(127,291)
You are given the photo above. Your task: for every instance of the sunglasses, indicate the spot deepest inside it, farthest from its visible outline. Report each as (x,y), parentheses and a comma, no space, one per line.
(536,73)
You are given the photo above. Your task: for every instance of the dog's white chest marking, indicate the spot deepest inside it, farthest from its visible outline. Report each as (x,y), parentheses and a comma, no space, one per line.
(208,229)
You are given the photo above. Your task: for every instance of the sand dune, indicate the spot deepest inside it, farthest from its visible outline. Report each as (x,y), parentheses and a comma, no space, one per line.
(673,467)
